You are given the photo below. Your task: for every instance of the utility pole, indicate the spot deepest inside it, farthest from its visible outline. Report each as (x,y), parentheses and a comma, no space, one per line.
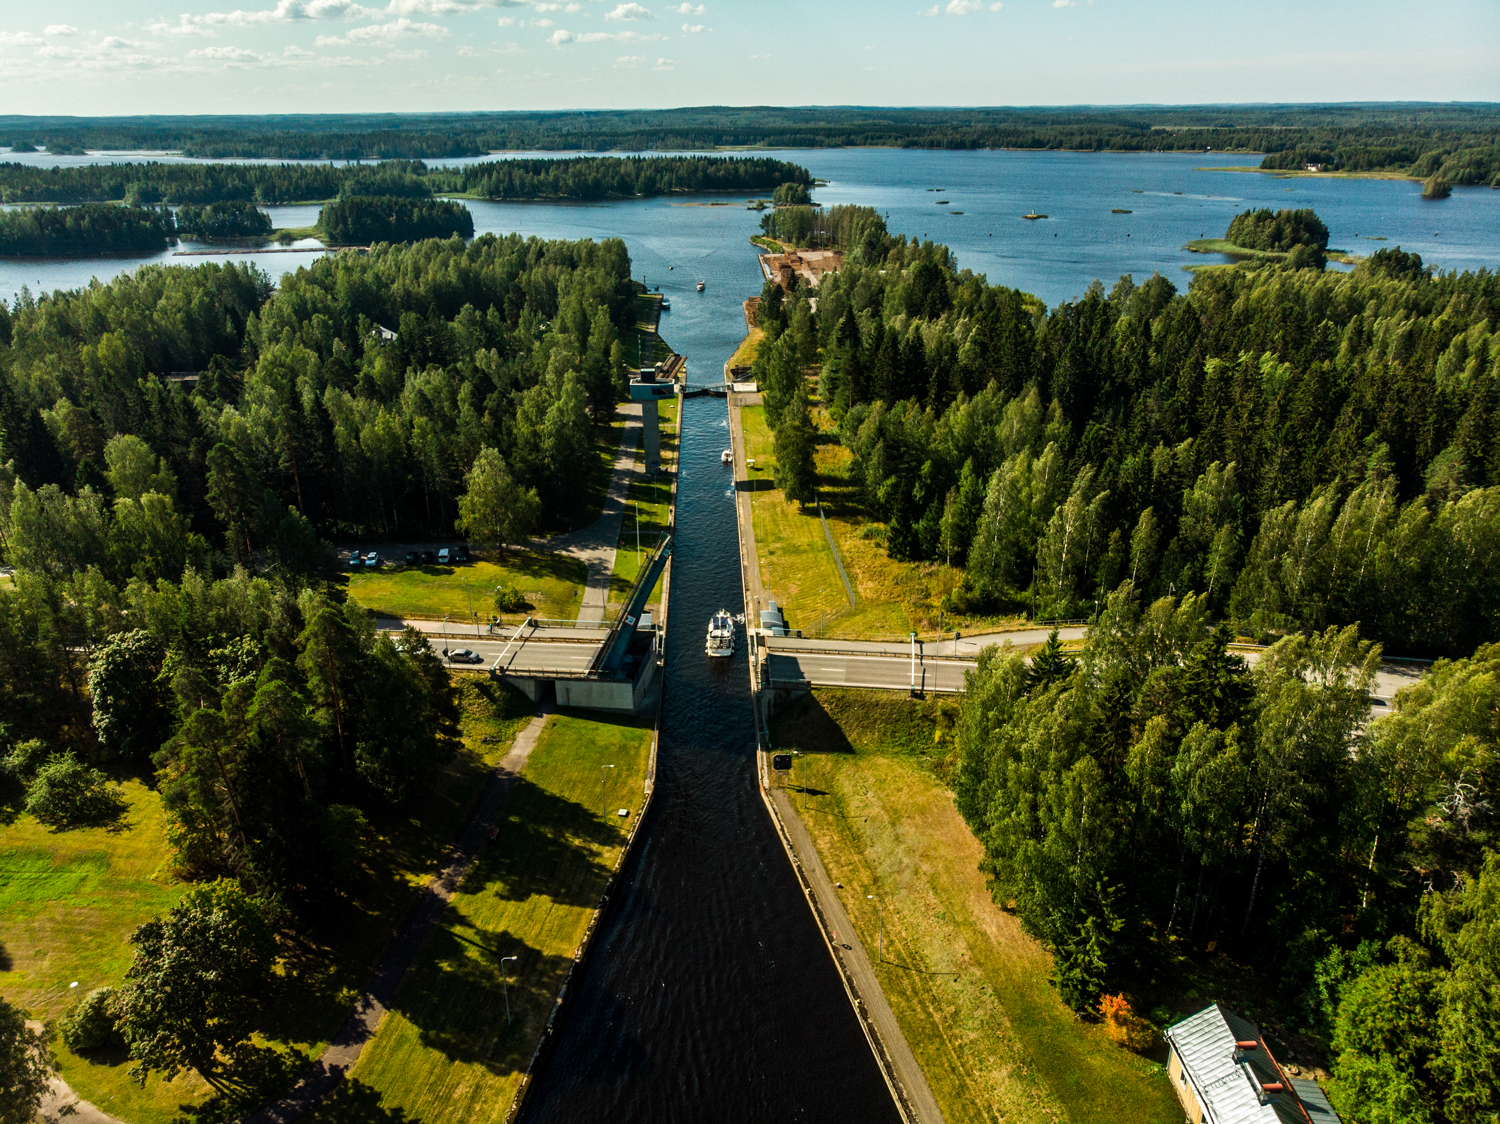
(880,932)
(913,639)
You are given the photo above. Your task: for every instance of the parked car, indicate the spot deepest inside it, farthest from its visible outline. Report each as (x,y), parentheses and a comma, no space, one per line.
(443,557)
(355,562)
(372,561)
(460,554)
(411,557)
(428,558)
(463,655)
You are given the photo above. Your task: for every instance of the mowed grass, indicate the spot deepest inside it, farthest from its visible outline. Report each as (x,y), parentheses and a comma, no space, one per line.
(551,583)
(969,988)
(744,355)
(446,1052)
(649,503)
(796,564)
(69,901)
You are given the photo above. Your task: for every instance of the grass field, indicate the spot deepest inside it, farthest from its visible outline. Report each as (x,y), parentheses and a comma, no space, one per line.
(650,502)
(969,988)
(446,1052)
(551,583)
(69,900)
(744,355)
(797,567)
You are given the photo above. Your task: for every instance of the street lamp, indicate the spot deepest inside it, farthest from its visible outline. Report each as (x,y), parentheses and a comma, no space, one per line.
(506,984)
(602,811)
(880,933)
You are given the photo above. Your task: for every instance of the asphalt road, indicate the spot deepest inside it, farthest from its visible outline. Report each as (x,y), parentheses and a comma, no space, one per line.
(837,669)
(530,654)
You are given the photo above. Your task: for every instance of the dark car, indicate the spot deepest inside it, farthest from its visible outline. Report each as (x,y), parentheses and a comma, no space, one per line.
(463,655)
(428,558)
(460,554)
(411,557)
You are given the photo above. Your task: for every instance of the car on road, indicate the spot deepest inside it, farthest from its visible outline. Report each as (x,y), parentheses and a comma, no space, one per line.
(411,557)
(443,557)
(464,655)
(428,558)
(460,554)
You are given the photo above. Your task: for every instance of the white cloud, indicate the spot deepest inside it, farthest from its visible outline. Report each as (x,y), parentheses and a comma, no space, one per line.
(1065,3)
(185,26)
(223,54)
(996,6)
(402,28)
(18,39)
(929,12)
(541,23)
(298,53)
(507,21)
(115,43)
(629,12)
(963,7)
(559,37)
(755,57)
(687,10)
(61,29)
(695,28)
(664,64)
(630,60)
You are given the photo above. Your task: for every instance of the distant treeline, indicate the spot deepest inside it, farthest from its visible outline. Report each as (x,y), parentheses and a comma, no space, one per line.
(94,228)
(1420,139)
(583,178)
(389,218)
(232,218)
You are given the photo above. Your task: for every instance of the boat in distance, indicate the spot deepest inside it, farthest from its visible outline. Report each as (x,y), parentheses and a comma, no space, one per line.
(720,641)
(700,286)
(726,457)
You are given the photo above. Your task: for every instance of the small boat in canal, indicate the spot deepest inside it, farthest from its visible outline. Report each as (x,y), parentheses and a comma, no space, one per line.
(700,286)
(726,457)
(720,641)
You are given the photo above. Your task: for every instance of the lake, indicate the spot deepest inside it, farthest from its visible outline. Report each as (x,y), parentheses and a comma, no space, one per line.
(1172,197)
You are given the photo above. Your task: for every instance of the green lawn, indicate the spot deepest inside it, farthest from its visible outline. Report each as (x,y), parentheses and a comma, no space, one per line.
(796,565)
(969,988)
(650,501)
(70,899)
(446,1052)
(551,583)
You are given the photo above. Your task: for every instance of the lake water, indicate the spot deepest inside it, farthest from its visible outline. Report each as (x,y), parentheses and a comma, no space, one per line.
(1172,197)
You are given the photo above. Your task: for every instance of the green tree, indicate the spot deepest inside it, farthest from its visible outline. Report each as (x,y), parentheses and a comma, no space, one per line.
(194,983)
(494,508)
(130,713)
(26,1065)
(794,442)
(65,791)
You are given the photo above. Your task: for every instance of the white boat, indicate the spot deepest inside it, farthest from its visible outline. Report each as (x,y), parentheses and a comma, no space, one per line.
(720,635)
(726,457)
(700,286)
(666,304)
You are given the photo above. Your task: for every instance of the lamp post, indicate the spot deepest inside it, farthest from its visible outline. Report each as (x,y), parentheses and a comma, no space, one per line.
(602,811)
(505,983)
(880,932)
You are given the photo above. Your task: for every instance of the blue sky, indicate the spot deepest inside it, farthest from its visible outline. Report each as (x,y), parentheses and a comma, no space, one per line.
(92,57)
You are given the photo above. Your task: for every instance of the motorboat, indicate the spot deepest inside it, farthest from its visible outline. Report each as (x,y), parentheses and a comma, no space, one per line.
(726,457)
(700,286)
(666,304)
(720,641)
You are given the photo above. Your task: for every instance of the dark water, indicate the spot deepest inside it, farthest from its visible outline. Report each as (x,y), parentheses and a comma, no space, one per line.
(708,994)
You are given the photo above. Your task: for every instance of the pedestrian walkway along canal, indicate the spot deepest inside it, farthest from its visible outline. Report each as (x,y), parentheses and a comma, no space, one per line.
(708,993)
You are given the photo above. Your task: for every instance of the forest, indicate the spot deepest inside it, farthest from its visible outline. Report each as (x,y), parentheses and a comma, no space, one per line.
(391,218)
(1303,448)
(1415,138)
(576,178)
(168,612)
(229,218)
(93,228)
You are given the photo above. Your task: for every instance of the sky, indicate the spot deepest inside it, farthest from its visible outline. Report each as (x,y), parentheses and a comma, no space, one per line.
(104,57)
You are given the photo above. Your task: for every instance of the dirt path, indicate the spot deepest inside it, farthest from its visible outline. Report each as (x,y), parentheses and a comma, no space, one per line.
(61,1102)
(320,1078)
(595,544)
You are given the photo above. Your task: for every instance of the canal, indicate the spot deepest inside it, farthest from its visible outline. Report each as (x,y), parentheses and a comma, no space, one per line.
(708,993)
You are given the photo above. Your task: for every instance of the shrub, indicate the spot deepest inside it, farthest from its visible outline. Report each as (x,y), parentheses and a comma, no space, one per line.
(25,758)
(508,599)
(1124,1026)
(90,1023)
(66,791)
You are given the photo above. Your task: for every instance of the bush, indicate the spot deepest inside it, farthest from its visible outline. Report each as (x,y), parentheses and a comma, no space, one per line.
(1124,1026)
(24,759)
(66,791)
(90,1023)
(508,599)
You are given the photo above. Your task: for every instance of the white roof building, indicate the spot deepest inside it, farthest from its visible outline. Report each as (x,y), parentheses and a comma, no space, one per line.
(1223,1073)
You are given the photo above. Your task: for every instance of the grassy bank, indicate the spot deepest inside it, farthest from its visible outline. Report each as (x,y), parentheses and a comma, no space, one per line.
(1224,246)
(647,511)
(447,1052)
(70,899)
(970,990)
(551,583)
(797,566)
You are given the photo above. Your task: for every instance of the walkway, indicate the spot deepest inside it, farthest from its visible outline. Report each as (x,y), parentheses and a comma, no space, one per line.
(339,1056)
(755,594)
(595,544)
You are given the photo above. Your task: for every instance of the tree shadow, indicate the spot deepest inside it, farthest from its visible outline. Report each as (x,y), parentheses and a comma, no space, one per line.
(253,1076)
(754,485)
(6,963)
(548,845)
(457,995)
(807,726)
(354,1102)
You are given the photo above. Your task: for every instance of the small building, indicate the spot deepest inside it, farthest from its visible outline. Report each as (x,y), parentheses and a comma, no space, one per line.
(1223,1073)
